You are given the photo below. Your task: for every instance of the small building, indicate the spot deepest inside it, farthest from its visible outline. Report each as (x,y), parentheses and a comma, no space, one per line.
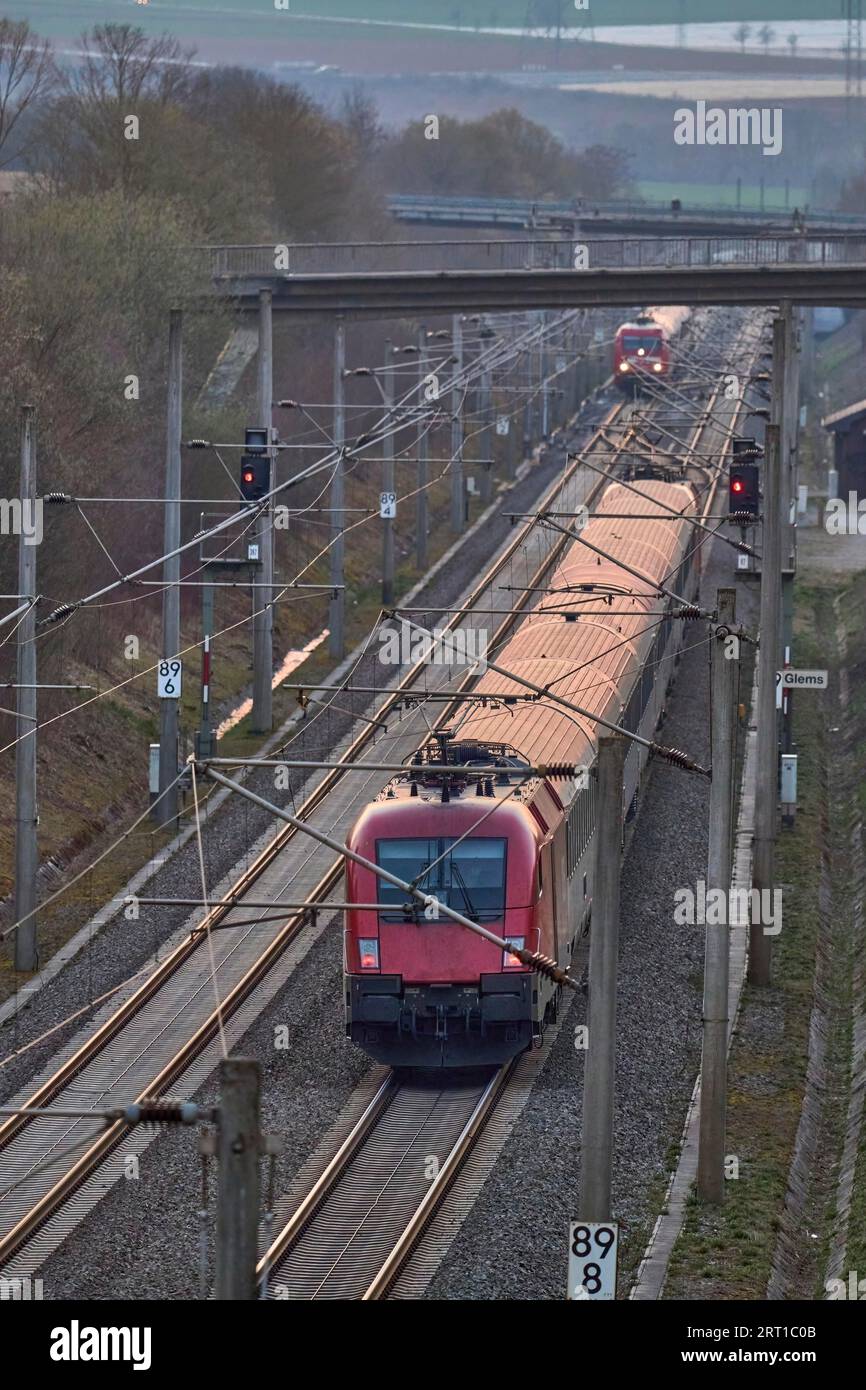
(848,428)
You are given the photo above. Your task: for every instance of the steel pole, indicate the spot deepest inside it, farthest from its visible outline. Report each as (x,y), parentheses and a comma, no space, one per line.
(458,503)
(26,844)
(766,790)
(714,1059)
(486,435)
(262,719)
(205,736)
(337,610)
(388,478)
(238,1149)
(545,388)
(790,427)
(599,1077)
(167,805)
(423,430)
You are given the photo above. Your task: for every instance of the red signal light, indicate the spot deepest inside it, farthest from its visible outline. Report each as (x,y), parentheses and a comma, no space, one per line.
(744,490)
(255,477)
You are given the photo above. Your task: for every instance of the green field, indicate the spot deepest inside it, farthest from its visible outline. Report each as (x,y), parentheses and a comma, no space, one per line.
(724,195)
(253,18)
(514,12)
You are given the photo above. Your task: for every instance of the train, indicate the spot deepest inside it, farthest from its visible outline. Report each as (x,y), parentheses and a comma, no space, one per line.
(511,851)
(641,352)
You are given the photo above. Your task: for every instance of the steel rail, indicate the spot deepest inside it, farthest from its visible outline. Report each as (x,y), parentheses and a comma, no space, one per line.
(439,1186)
(373,1273)
(324,1185)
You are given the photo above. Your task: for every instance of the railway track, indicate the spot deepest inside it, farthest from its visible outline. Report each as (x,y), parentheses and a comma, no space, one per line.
(358,1225)
(146,1044)
(144,1048)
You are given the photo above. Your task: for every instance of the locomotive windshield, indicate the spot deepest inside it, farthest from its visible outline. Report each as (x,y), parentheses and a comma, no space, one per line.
(633,342)
(469,878)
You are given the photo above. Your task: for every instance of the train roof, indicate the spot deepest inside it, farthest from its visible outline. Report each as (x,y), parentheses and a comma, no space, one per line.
(592,660)
(397,813)
(645,327)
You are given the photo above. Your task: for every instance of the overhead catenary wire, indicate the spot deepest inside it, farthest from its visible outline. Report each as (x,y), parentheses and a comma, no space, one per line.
(216,528)
(530,335)
(473,367)
(97,861)
(131,829)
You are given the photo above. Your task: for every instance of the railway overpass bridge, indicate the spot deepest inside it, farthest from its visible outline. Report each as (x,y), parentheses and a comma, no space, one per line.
(428,278)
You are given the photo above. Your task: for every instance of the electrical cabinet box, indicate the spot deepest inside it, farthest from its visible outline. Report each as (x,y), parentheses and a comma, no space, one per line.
(153,769)
(788,787)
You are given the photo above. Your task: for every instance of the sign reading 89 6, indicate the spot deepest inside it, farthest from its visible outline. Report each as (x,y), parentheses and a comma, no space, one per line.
(169,679)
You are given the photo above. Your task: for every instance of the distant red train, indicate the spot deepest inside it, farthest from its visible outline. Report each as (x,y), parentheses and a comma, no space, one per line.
(433,993)
(641,354)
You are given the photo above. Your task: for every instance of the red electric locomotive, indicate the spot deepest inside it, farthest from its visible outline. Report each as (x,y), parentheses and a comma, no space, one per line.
(641,353)
(510,852)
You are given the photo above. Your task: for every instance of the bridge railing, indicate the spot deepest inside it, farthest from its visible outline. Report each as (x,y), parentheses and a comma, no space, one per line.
(613,253)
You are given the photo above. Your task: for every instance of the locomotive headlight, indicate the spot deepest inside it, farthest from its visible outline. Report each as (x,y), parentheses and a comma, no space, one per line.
(657,366)
(641,352)
(623,366)
(510,961)
(368,947)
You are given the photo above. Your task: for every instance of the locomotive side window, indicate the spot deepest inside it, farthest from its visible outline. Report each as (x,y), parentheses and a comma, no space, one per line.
(471,878)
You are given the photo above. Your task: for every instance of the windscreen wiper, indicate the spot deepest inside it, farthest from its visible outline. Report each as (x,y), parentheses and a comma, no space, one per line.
(461,883)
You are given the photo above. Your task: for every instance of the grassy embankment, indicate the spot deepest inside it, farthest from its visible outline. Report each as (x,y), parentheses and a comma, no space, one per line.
(727,1253)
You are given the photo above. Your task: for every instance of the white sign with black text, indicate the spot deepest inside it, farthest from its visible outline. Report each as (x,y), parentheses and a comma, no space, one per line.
(169,679)
(592,1254)
(793,679)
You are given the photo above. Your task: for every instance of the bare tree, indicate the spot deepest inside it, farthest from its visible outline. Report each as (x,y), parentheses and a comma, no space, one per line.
(793,40)
(27,73)
(123,74)
(741,35)
(766,34)
(359,116)
(121,66)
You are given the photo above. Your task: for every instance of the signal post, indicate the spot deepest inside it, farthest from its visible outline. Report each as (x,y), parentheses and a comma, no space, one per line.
(263,612)
(598,1085)
(167,805)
